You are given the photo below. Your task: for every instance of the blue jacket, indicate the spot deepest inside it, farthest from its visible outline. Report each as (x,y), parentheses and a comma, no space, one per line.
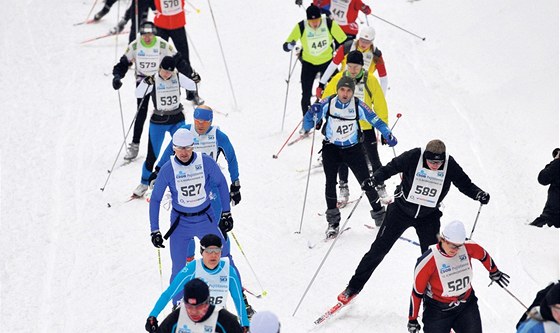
(214,178)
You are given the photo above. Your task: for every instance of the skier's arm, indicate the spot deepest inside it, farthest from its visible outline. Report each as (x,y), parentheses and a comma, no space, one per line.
(308,122)
(176,286)
(461,180)
(477,252)
(294,36)
(229,153)
(143,89)
(424,269)
(397,164)
(549,173)
(160,185)
(338,34)
(369,115)
(186,83)
(236,292)
(215,175)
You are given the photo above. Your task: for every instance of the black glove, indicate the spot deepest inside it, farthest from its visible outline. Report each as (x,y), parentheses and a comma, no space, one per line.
(234,194)
(501,278)
(153,175)
(383,141)
(369,184)
(226,223)
(151,324)
(319,124)
(157,240)
(117,84)
(483,197)
(299,2)
(195,77)
(413,326)
(149,80)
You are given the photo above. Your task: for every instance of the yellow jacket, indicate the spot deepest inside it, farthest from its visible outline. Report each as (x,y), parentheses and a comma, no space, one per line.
(376,101)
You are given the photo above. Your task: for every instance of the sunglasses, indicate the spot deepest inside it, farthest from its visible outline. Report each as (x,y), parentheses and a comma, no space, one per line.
(183,148)
(454,246)
(214,250)
(438,162)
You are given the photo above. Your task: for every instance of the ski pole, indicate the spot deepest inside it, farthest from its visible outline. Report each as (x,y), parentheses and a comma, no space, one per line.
(223,56)
(327,254)
(160,270)
(290,70)
(124,141)
(396,26)
(475,220)
(517,299)
(122,118)
(193,7)
(263,292)
(308,175)
(195,50)
(399,115)
(91,10)
(288,139)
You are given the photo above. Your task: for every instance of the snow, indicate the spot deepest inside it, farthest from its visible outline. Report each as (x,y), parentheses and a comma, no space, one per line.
(485,81)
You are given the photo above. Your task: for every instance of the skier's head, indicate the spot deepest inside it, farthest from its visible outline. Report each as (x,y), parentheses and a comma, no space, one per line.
(166,66)
(183,142)
(211,250)
(196,299)
(354,63)
(453,236)
(147,31)
(313,16)
(555,153)
(345,89)
(434,154)
(203,116)
(552,302)
(367,33)
(264,322)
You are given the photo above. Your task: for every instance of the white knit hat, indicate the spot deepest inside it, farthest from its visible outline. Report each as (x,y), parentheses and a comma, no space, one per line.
(264,322)
(183,138)
(454,232)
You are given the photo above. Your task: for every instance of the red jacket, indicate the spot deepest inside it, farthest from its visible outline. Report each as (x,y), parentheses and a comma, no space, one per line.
(351,15)
(171,16)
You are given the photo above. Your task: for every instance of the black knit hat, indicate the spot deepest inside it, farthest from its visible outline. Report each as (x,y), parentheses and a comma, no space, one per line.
(210,240)
(355,57)
(346,81)
(167,63)
(196,292)
(553,295)
(555,152)
(313,12)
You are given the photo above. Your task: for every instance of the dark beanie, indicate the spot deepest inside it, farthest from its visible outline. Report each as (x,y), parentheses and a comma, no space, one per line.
(313,12)
(355,57)
(555,152)
(210,240)
(552,297)
(346,81)
(196,292)
(167,63)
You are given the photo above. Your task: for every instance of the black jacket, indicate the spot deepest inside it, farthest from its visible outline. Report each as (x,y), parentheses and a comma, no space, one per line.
(406,163)
(227,322)
(550,175)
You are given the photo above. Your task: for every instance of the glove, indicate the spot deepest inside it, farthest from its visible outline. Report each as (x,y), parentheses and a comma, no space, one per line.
(383,141)
(234,194)
(316,108)
(289,46)
(413,326)
(153,176)
(319,124)
(117,84)
(319,90)
(299,2)
(391,140)
(369,184)
(501,278)
(226,223)
(151,324)
(149,80)
(157,240)
(483,197)
(195,77)
(366,10)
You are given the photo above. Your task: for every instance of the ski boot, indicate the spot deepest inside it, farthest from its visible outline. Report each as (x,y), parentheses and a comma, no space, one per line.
(347,295)
(101,13)
(194,98)
(132,151)
(378,216)
(344,193)
(118,28)
(140,191)
(333,218)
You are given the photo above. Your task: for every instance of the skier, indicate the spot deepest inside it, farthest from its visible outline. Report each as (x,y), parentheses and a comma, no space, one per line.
(368,91)
(197,315)
(544,314)
(147,54)
(426,178)
(317,34)
(373,59)
(168,112)
(265,322)
(189,177)
(342,144)
(344,12)
(220,276)
(442,279)
(170,22)
(106,8)
(550,175)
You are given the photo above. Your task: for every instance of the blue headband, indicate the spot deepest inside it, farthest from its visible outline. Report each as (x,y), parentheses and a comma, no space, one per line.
(203,114)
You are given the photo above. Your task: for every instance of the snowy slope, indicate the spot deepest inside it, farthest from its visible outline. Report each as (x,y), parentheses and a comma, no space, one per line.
(485,81)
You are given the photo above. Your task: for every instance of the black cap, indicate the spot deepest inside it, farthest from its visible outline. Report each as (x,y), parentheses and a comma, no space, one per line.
(313,12)
(555,152)
(196,292)
(167,63)
(355,57)
(210,240)
(346,81)
(553,295)
(147,27)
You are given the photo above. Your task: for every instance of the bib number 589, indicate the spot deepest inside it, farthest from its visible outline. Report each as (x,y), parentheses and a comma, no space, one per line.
(423,190)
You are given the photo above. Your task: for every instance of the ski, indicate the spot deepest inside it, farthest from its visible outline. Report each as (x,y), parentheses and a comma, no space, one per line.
(90,21)
(299,138)
(369,226)
(103,36)
(313,167)
(326,239)
(331,312)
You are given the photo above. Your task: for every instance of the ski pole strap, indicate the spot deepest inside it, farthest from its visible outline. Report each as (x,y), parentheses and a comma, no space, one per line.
(176,222)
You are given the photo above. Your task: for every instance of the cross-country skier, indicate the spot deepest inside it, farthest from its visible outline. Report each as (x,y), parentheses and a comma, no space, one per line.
(344,12)
(342,144)
(426,178)
(217,273)
(442,280)
(550,175)
(544,314)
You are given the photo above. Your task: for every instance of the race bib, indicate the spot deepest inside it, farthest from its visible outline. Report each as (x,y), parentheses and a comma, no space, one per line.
(171,7)
(339,9)
(189,182)
(455,273)
(427,185)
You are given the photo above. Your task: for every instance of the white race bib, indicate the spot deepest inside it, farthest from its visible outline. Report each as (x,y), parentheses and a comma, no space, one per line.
(339,9)
(186,325)
(218,282)
(189,182)
(147,59)
(206,143)
(167,93)
(344,127)
(427,185)
(171,7)
(317,39)
(455,273)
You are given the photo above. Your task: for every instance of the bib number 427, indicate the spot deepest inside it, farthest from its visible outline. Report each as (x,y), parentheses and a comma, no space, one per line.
(343,129)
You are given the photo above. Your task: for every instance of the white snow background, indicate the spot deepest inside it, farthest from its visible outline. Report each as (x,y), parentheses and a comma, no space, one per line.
(485,81)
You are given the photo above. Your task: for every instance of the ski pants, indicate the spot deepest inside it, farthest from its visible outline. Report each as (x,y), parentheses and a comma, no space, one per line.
(333,157)
(143,7)
(155,140)
(308,73)
(141,113)
(179,38)
(370,147)
(441,318)
(394,225)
